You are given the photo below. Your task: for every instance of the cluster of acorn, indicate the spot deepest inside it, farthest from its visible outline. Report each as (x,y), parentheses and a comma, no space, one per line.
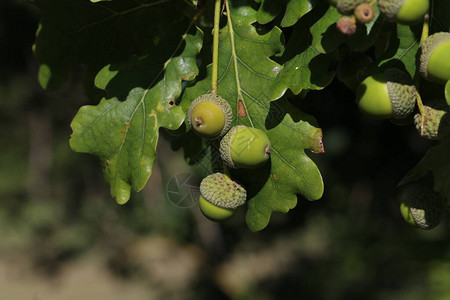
(211,116)
(362,11)
(392,94)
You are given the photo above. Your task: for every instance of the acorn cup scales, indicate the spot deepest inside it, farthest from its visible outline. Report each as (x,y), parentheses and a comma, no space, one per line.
(435,57)
(220,196)
(421,206)
(403,11)
(435,125)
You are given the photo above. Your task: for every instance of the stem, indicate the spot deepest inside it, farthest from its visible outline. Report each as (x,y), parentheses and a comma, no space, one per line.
(233,52)
(423,37)
(425,27)
(422,111)
(215,61)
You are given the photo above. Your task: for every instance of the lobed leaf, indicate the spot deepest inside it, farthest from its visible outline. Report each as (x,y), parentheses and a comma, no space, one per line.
(123,132)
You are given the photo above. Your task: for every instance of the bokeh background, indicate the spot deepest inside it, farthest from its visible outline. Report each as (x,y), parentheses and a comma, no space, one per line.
(63,237)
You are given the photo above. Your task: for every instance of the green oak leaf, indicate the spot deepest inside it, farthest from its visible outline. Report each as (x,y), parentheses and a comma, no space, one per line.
(311,48)
(294,10)
(95,34)
(402,48)
(246,74)
(123,130)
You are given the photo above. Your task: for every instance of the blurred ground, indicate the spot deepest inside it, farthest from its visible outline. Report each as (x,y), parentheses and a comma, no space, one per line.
(63,237)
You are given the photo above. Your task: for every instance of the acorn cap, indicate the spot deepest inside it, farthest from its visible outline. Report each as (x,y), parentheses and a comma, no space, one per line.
(402,92)
(390,8)
(427,48)
(346,7)
(221,103)
(421,206)
(431,124)
(225,146)
(221,191)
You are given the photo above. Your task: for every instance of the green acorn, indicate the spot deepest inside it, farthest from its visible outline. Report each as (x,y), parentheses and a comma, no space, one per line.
(390,94)
(403,11)
(346,7)
(421,206)
(245,147)
(433,125)
(220,197)
(210,116)
(434,57)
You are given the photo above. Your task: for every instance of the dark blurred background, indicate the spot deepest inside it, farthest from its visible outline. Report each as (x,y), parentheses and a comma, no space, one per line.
(63,237)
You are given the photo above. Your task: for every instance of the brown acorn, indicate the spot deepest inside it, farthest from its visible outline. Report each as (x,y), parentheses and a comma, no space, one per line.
(364,13)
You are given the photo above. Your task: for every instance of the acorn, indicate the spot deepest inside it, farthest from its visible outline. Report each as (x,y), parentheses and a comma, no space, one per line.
(210,116)
(220,197)
(434,57)
(390,94)
(403,11)
(346,25)
(364,13)
(421,207)
(346,7)
(245,147)
(433,124)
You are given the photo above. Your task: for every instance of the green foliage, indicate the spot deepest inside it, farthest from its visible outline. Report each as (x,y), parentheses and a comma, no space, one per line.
(124,132)
(97,34)
(294,10)
(141,56)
